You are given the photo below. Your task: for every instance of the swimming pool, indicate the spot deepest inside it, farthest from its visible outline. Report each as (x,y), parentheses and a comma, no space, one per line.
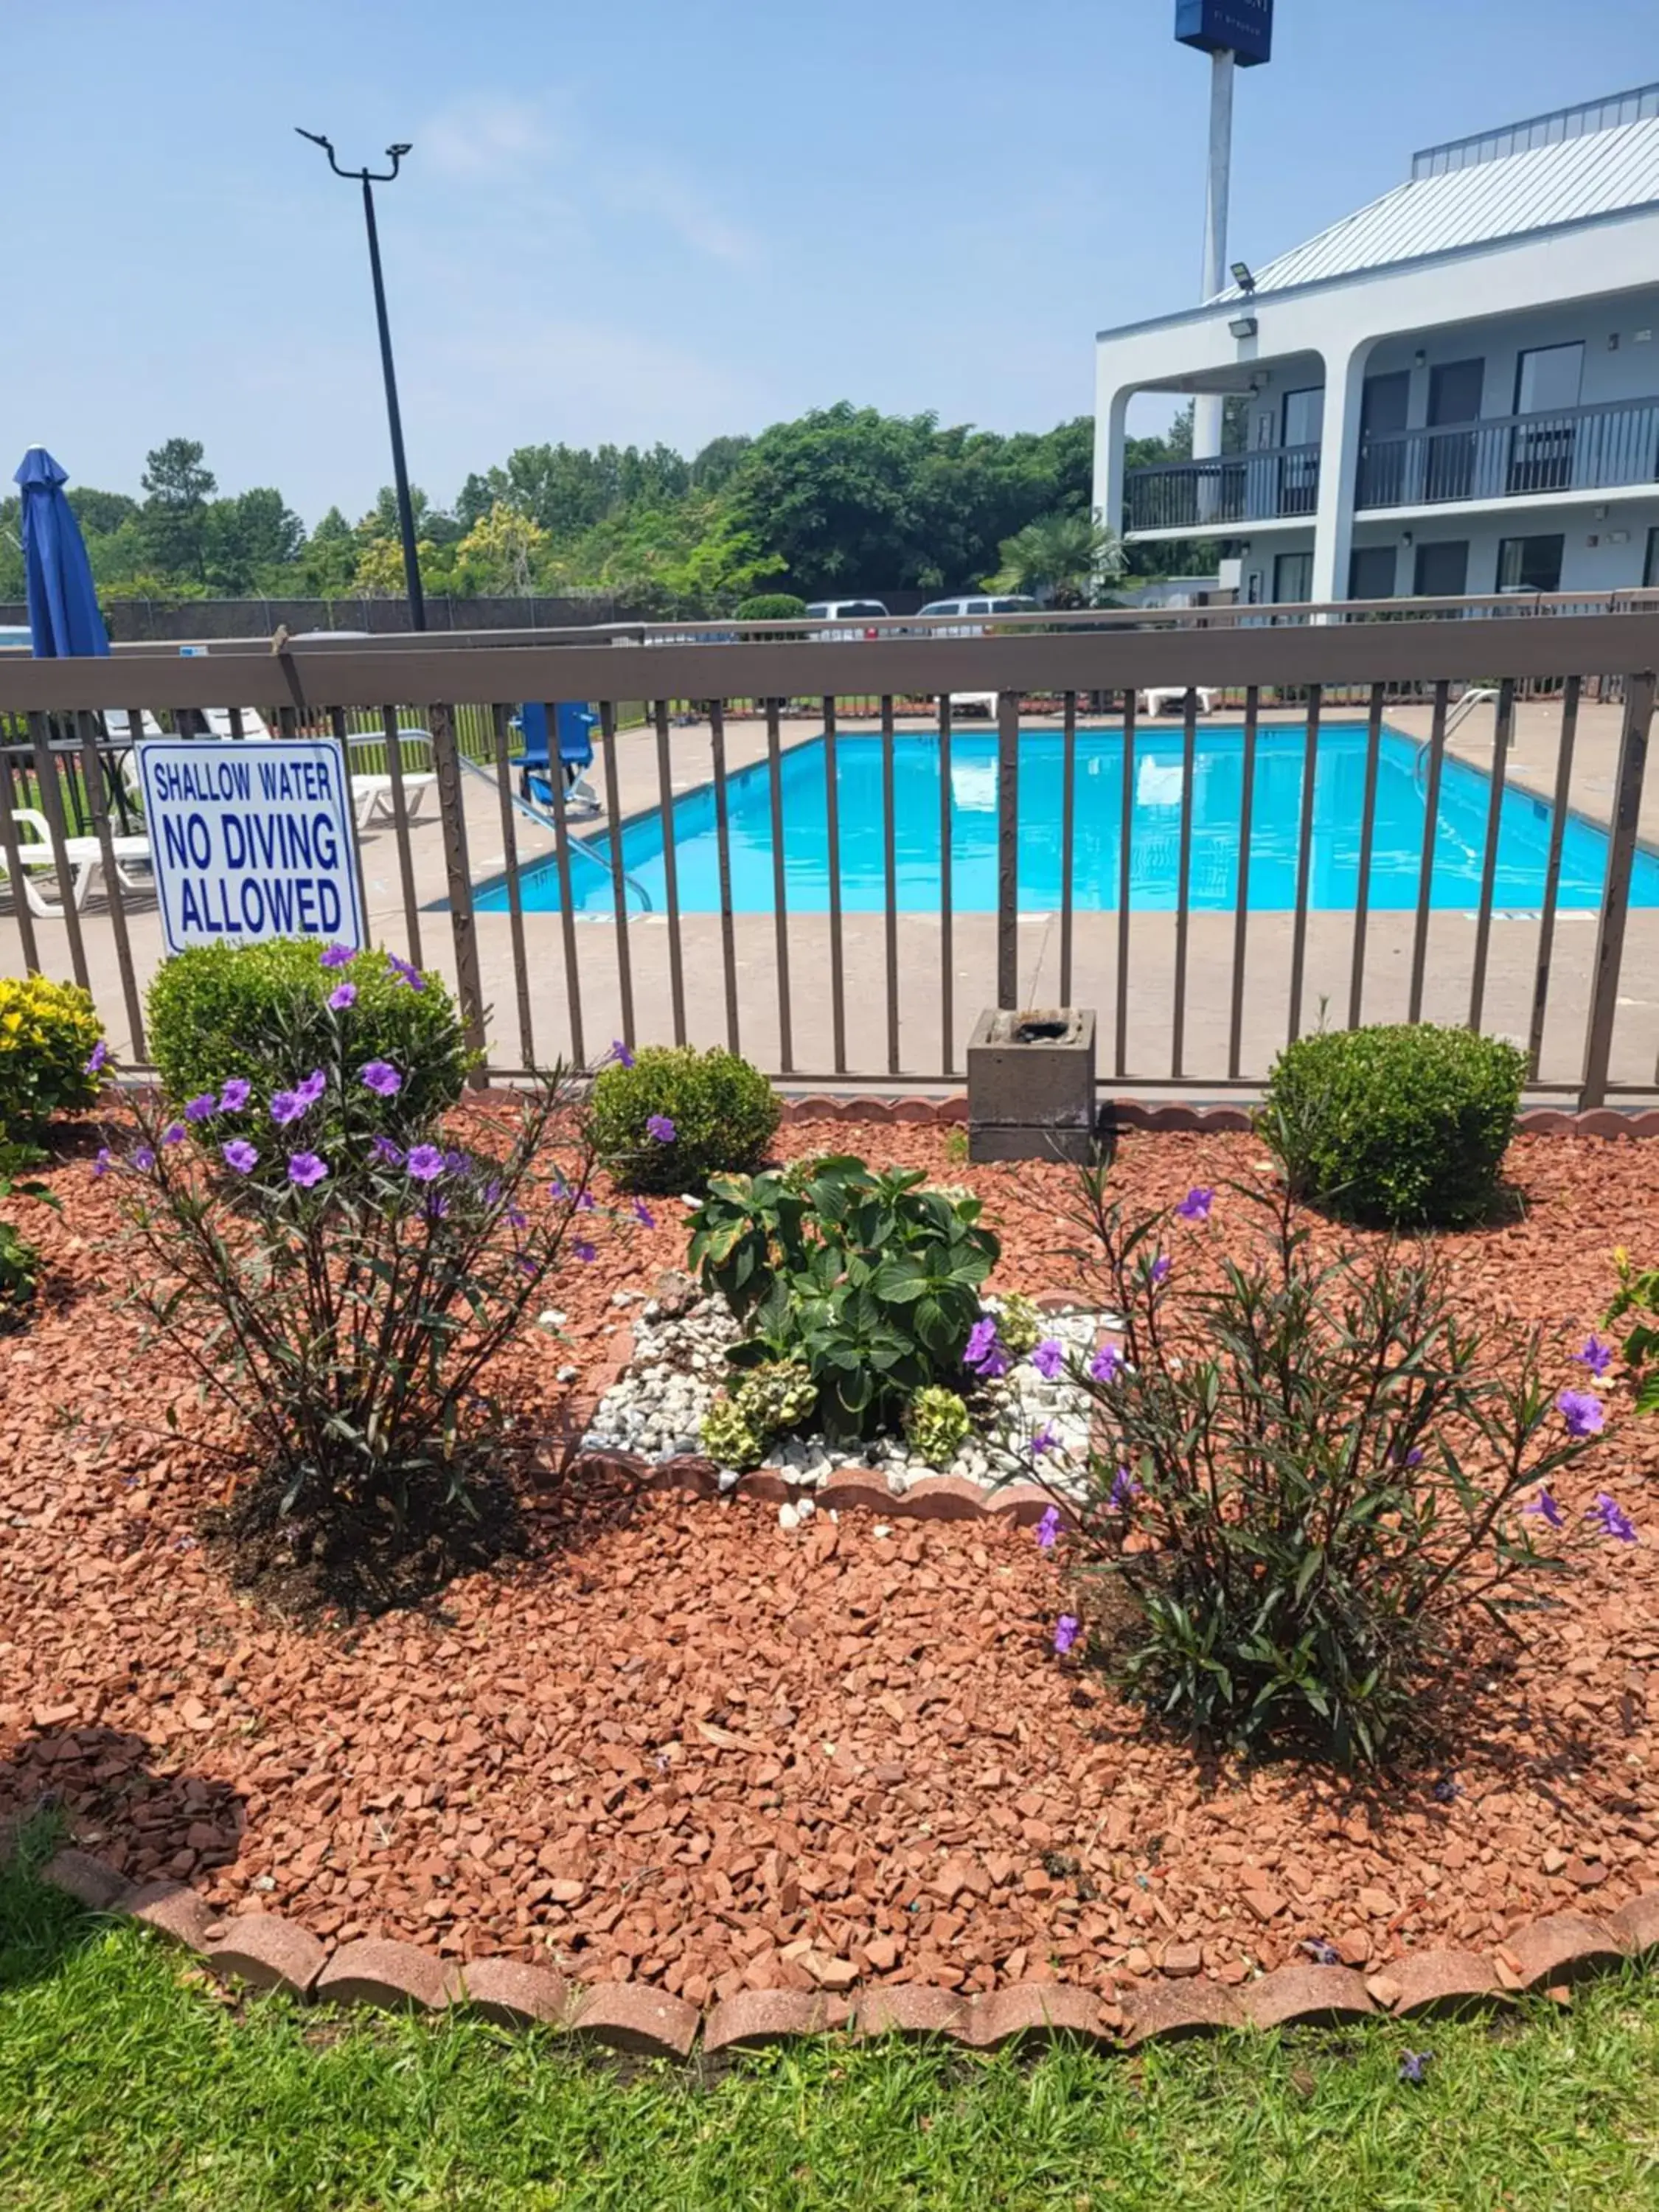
(1155,830)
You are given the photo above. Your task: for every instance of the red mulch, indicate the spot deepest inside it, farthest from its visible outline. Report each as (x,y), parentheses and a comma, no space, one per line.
(680,1745)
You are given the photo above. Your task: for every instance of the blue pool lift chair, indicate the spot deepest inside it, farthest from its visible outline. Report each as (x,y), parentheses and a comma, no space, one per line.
(575,721)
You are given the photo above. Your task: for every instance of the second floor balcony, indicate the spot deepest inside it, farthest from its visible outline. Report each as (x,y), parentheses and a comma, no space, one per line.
(1597,448)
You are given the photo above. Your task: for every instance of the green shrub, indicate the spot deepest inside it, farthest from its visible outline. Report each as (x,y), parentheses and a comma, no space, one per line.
(260,1013)
(770,606)
(48,1034)
(769,1400)
(870,1281)
(936,1425)
(1333,1474)
(1401,1126)
(1019,1325)
(728,1437)
(669,1117)
(19,1261)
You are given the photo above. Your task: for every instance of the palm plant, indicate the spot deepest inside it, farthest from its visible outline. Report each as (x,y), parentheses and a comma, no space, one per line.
(1065,559)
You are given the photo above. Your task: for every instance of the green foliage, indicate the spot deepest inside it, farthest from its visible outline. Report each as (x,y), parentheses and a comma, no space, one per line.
(48,1032)
(19,1261)
(346,1299)
(1639,1295)
(1401,1125)
(1329,1465)
(723,1112)
(870,1281)
(728,1437)
(771,1399)
(936,1425)
(770,606)
(260,1012)
(1068,560)
(172,522)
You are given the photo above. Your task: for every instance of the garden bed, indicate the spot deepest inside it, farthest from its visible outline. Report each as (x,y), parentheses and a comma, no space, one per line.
(680,1744)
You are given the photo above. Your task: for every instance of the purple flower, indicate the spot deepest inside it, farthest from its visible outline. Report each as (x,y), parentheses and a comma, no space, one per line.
(583,1249)
(1124,1487)
(338,956)
(312,1089)
(1045,1440)
(380,1077)
(173,1133)
(643,1214)
(1596,1355)
(621,1055)
(585,1202)
(1411,2064)
(456,1162)
(558,1189)
(105,1161)
(661,1128)
(341,996)
(143,1160)
(286,1106)
(436,1207)
(984,1353)
(95,1059)
(387,1154)
(306,1169)
(1047,1529)
(1195,1206)
(202,1109)
(492,1191)
(1049,1358)
(1446,1791)
(234,1097)
(516,1217)
(426,1163)
(1159,1269)
(1103,1367)
(405,972)
(1614,1521)
(1065,1632)
(1582,1411)
(240,1154)
(1547,1508)
(1322,1953)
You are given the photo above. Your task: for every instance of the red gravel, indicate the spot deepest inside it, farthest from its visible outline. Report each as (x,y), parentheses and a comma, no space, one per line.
(681,1746)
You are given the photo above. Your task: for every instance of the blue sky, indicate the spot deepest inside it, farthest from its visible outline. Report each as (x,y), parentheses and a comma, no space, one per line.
(669,218)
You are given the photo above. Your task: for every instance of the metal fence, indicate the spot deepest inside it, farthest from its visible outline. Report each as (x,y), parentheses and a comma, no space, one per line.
(837,893)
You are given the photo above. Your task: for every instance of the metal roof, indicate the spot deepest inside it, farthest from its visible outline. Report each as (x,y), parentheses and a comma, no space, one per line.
(1576,181)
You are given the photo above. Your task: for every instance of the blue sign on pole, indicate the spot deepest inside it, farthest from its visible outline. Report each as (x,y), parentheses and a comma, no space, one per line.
(250,840)
(1244,29)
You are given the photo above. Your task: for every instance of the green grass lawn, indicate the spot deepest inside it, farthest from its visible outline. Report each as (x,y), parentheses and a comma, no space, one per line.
(121,2085)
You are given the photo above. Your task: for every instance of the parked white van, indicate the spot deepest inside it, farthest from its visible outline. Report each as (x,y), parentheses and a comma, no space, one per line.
(1008,603)
(860,613)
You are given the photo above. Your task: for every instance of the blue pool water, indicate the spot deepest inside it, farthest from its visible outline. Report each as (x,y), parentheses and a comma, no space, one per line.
(1338,794)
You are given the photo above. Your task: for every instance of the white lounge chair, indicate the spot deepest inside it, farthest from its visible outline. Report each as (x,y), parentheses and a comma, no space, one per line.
(974,702)
(1156,696)
(373,796)
(38,857)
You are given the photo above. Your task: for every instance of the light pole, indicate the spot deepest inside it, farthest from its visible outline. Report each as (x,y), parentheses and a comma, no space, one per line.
(368,178)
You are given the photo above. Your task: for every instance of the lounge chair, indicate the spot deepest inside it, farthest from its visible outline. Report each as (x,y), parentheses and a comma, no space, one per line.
(374,794)
(973,702)
(1155,697)
(85,855)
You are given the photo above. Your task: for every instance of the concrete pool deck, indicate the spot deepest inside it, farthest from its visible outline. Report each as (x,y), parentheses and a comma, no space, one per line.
(1510,979)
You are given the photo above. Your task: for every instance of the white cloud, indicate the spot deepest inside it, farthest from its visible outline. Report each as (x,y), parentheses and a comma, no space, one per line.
(486,140)
(660,193)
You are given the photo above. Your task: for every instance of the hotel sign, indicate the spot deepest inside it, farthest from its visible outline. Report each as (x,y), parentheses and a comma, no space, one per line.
(1242,28)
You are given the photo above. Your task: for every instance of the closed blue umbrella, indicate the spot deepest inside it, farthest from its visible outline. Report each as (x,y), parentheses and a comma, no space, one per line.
(63,617)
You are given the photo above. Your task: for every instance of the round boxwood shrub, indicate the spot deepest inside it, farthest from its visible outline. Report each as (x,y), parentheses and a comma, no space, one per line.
(260,1012)
(769,606)
(48,1032)
(1399,1126)
(669,1117)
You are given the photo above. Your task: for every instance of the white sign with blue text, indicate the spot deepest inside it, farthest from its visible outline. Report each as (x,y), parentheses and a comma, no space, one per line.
(250,839)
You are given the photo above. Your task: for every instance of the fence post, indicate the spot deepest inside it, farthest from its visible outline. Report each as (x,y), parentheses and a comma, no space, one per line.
(446,760)
(1615,895)
(1008,849)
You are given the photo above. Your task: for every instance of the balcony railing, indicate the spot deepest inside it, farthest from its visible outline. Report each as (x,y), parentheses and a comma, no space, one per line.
(1200,495)
(1512,455)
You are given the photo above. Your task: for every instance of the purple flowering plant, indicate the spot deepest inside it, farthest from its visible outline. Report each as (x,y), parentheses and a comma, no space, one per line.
(1307,1472)
(345,1286)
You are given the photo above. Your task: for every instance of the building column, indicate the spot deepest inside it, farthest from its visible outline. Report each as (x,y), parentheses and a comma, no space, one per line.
(1339,456)
(1110,421)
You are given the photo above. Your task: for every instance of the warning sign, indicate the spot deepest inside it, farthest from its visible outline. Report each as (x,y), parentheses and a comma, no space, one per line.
(250,839)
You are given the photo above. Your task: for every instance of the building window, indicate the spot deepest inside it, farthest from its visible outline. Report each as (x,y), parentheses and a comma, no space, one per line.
(1549,378)
(1651,567)
(1292,578)
(1371,572)
(1442,569)
(1530,564)
(1547,382)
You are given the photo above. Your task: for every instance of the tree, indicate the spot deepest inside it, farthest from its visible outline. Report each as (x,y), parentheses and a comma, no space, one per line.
(1065,559)
(99,512)
(246,537)
(173,515)
(500,554)
(713,469)
(329,556)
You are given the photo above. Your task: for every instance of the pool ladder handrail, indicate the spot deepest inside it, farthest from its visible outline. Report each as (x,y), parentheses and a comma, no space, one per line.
(545,819)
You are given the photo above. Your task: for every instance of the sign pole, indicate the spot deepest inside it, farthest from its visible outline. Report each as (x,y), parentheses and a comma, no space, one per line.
(1207,406)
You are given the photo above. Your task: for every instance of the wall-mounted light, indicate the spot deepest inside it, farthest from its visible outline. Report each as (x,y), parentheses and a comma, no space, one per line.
(1242,326)
(1612,341)
(1259,379)
(1404,538)
(1420,357)
(1242,278)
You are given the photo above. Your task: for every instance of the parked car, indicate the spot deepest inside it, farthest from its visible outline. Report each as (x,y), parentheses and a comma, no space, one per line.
(982,603)
(858,614)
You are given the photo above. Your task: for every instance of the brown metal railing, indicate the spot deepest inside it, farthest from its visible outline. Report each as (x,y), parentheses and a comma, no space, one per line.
(828,980)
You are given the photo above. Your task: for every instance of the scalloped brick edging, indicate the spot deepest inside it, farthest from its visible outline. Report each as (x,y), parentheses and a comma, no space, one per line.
(1172,1116)
(263,1951)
